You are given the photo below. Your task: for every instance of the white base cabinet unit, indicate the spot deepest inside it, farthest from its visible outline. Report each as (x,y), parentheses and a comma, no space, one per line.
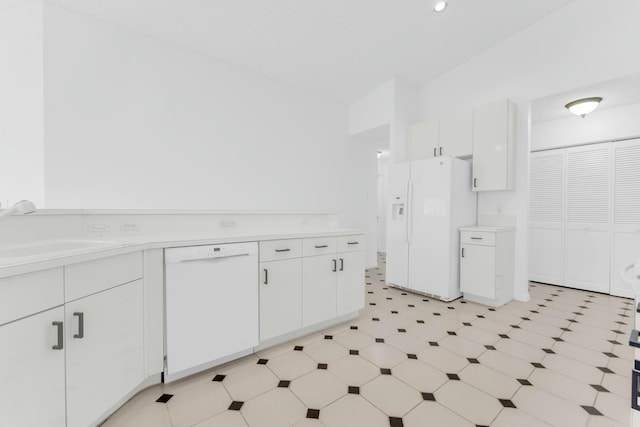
(104,352)
(280,288)
(333,282)
(32,371)
(487,264)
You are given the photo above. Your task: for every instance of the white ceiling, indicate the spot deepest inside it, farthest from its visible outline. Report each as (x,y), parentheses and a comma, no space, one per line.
(615,93)
(341,48)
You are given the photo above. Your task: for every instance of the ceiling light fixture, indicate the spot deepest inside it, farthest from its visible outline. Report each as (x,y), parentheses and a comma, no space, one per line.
(584,106)
(439,6)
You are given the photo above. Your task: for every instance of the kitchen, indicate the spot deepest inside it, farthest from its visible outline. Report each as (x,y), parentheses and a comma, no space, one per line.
(110,86)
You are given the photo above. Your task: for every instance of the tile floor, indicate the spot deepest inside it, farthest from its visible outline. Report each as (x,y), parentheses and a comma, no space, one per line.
(561,359)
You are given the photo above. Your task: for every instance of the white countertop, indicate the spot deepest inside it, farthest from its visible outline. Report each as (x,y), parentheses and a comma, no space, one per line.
(11,266)
(486,228)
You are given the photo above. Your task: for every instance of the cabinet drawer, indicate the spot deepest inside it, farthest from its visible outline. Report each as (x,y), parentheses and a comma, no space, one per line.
(271,250)
(89,277)
(350,243)
(30,293)
(478,238)
(318,246)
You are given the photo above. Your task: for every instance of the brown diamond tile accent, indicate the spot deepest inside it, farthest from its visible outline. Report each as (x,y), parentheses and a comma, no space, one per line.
(322,366)
(507,403)
(395,422)
(598,387)
(313,413)
(219,378)
(263,361)
(453,377)
(284,384)
(524,382)
(164,398)
(591,410)
(235,405)
(354,390)
(428,396)
(385,371)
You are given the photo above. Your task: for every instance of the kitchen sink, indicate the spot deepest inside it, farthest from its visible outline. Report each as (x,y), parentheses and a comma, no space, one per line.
(53,247)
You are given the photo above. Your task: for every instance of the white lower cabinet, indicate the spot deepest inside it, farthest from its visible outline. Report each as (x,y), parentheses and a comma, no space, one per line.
(478,270)
(32,376)
(350,286)
(104,351)
(487,264)
(280,297)
(318,288)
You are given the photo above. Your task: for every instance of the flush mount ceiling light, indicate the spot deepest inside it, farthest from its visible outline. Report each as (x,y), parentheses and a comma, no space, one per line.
(439,6)
(584,106)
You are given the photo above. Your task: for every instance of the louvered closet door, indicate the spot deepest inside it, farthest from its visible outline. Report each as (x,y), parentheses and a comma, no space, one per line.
(626,212)
(546,216)
(587,256)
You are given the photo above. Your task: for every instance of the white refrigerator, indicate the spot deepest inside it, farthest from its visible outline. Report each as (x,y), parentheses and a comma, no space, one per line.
(429,200)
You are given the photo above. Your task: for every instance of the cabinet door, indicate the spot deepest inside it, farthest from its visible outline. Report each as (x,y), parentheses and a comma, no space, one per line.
(478,270)
(456,135)
(318,289)
(423,141)
(350,285)
(32,372)
(493,136)
(626,214)
(546,216)
(280,297)
(106,361)
(587,224)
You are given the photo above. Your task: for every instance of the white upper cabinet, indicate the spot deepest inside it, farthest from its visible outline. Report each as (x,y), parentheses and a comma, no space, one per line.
(493,146)
(456,135)
(449,136)
(423,141)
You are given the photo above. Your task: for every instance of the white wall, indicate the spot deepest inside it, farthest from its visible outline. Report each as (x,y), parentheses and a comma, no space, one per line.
(21,104)
(372,110)
(601,125)
(553,55)
(134,123)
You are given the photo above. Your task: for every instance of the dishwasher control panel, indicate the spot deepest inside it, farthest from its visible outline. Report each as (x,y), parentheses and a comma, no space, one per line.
(194,253)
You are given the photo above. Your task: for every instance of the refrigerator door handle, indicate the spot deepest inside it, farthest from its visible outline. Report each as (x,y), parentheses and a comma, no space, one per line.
(409,211)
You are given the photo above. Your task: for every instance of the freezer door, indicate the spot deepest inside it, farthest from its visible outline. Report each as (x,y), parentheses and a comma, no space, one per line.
(397,246)
(430,226)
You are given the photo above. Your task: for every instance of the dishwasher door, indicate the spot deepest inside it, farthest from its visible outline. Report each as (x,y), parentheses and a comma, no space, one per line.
(211,305)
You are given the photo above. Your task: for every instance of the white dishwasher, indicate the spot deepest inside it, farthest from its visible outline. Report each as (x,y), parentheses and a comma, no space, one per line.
(211,305)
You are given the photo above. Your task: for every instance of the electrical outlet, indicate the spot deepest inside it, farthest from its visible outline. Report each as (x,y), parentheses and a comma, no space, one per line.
(226,223)
(99,227)
(129,226)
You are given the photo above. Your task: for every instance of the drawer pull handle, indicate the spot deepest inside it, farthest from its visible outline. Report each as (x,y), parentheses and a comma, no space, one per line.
(321,246)
(335,265)
(352,243)
(441,151)
(59,345)
(476,238)
(633,339)
(475,182)
(434,152)
(341,264)
(283,250)
(80,316)
(266,276)
(462,252)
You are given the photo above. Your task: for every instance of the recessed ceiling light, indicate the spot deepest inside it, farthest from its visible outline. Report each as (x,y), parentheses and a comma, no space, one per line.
(439,6)
(582,107)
